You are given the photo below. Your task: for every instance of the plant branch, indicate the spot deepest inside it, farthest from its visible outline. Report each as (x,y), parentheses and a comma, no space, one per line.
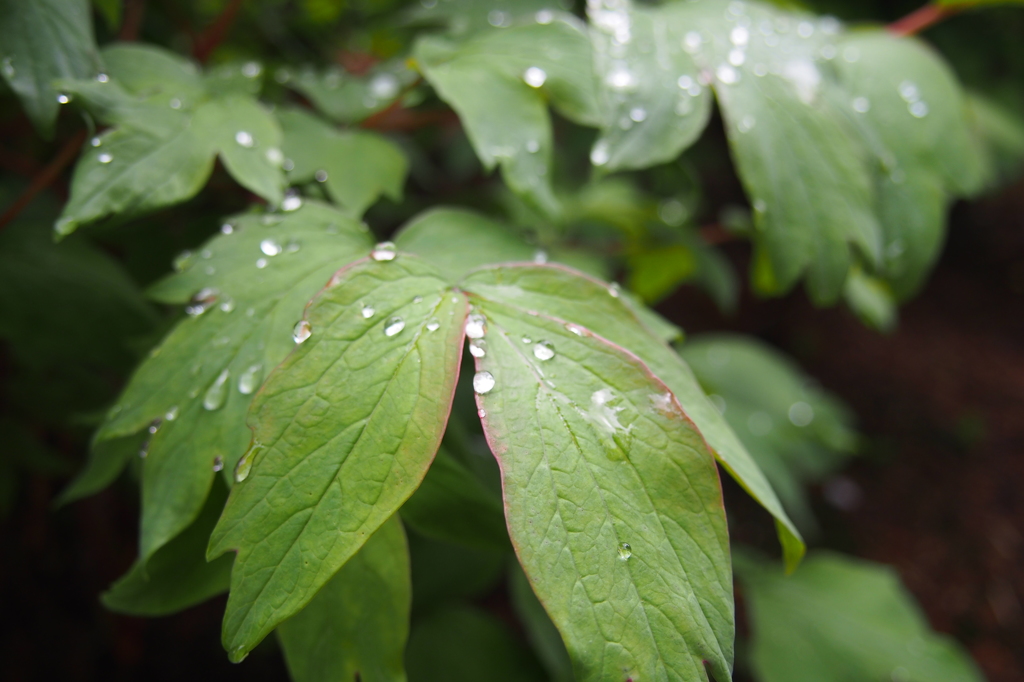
(65,156)
(924,18)
(214,35)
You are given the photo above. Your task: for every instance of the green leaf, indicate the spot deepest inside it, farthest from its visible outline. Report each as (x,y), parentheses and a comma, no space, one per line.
(345,98)
(356,627)
(596,306)
(839,619)
(541,632)
(465,644)
(111,11)
(912,113)
(871,299)
(455,241)
(359,166)
(655,273)
(453,505)
(611,495)
(133,172)
(69,302)
(246,303)
(177,576)
(796,433)
(155,74)
(802,164)
(999,136)
(653,106)
(42,41)
(465,17)
(107,459)
(170,125)
(499,82)
(443,572)
(343,433)
(248,141)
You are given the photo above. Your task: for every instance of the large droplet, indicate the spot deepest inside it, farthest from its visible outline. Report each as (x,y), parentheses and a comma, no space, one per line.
(393,326)
(477,348)
(250,379)
(625,551)
(105,158)
(244,139)
(367,311)
(801,414)
(433,324)
(385,251)
(726,74)
(543,351)
(302,331)
(217,392)
(535,76)
(270,247)
(483,382)
(475,326)
(292,202)
(245,464)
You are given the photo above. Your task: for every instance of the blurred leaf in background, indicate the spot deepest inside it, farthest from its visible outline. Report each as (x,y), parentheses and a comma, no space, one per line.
(797,433)
(838,619)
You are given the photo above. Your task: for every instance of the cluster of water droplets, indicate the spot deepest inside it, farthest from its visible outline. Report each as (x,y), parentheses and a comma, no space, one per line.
(910,94)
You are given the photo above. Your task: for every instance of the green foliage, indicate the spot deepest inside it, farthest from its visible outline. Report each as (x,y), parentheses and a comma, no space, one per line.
(315,376)
(41,42)
(795,432)
(357,625)
(842,619)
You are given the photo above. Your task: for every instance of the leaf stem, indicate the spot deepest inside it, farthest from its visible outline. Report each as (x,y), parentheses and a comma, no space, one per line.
(65,156)
(214,35)
(924,18)
(132,23)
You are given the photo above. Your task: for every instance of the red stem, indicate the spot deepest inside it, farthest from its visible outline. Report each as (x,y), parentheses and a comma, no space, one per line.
(133,11)
(65,156)
(924,18)
(214,35)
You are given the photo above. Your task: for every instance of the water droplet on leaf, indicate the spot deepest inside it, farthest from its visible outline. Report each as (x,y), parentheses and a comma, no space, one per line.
(385,251)
(302,331)
(217,392)
(483,382)
(244,139)
(250,379)
(801,414)
(475,326)
(535,76)
(393,326)
(245,463)
(477,348)
(543,351)
(270,247)
(625,551)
